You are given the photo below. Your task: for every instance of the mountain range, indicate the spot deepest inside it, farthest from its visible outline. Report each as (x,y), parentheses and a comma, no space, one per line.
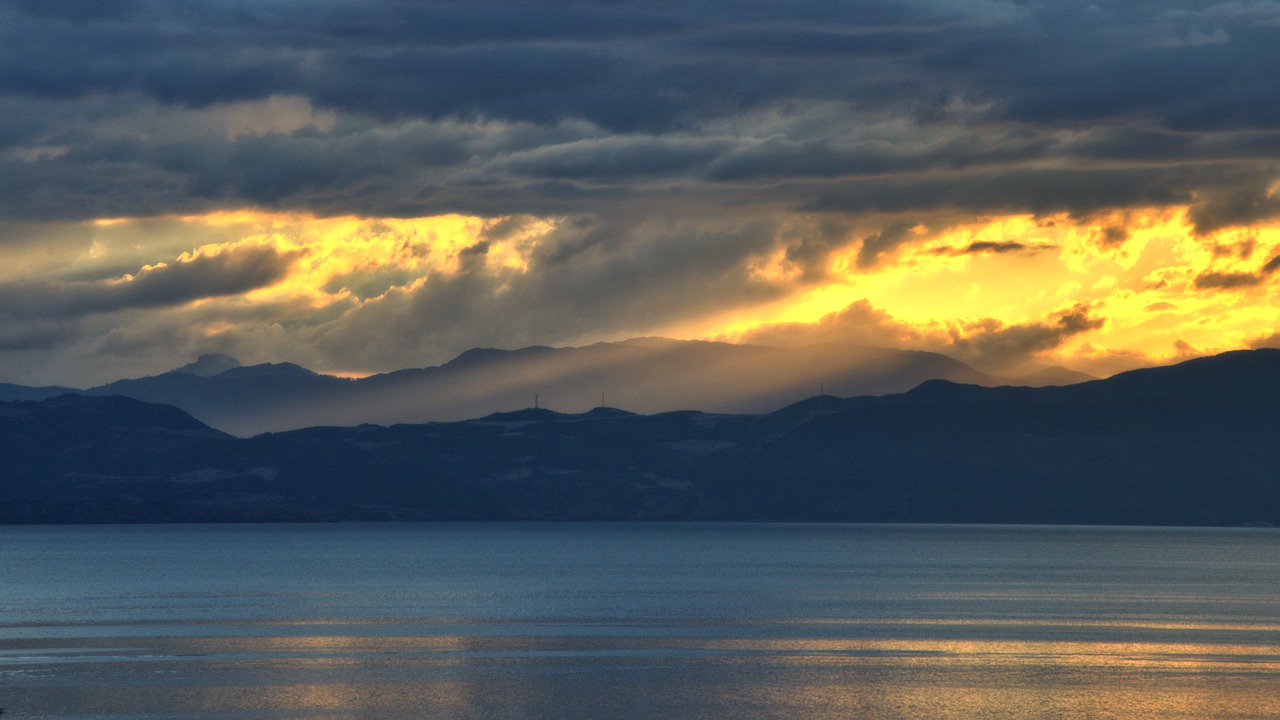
(645,375)
(1188,444)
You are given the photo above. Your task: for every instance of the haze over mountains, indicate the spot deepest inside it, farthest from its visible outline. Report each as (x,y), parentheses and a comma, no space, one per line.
(647,375)
(1191,444)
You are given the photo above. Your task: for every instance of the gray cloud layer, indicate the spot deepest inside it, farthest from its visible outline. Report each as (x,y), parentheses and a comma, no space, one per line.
(229,273)
(44,315)
(987,343)
(479,106)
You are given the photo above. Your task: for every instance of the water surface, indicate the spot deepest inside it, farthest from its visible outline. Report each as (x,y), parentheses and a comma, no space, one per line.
(638,621)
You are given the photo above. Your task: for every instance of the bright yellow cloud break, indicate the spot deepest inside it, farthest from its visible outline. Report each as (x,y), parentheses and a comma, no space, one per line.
(1159,291)
(1162,290)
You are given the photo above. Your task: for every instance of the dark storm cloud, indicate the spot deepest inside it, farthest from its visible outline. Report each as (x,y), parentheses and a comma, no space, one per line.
(865,154)
(874,246)
(988,344)
(810,240)
(19,334)
(998,248)
(617,159)
(1240,203)
(1113,236)
(1185,65)
(1227,281)
(228,273)
(1083,191)
(993,345)
(1116,105)
(1230,280)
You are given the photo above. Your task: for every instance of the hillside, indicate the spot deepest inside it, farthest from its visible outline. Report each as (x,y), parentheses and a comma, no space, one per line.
(1193,444)
(648,375)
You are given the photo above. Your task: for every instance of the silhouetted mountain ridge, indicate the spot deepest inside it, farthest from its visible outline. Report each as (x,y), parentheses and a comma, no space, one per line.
(209,365)
(1140,448)
(646,375)
(1238,374)
(477,357)
(9,391)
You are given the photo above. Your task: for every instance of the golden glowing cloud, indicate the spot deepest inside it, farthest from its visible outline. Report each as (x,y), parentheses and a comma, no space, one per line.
(343,257)
(1163,291)
(1103,293)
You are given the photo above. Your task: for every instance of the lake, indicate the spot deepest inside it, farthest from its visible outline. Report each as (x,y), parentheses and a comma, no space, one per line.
(495,620)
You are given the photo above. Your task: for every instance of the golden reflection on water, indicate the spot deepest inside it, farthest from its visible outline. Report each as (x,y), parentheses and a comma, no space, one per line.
(1057,622)
(819,676)
(964,679)
(823,678)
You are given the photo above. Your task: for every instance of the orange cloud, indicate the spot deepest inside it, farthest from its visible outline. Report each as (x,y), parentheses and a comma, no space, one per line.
(1102,292)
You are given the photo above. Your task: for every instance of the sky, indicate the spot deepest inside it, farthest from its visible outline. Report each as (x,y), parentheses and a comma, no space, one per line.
(363,186)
